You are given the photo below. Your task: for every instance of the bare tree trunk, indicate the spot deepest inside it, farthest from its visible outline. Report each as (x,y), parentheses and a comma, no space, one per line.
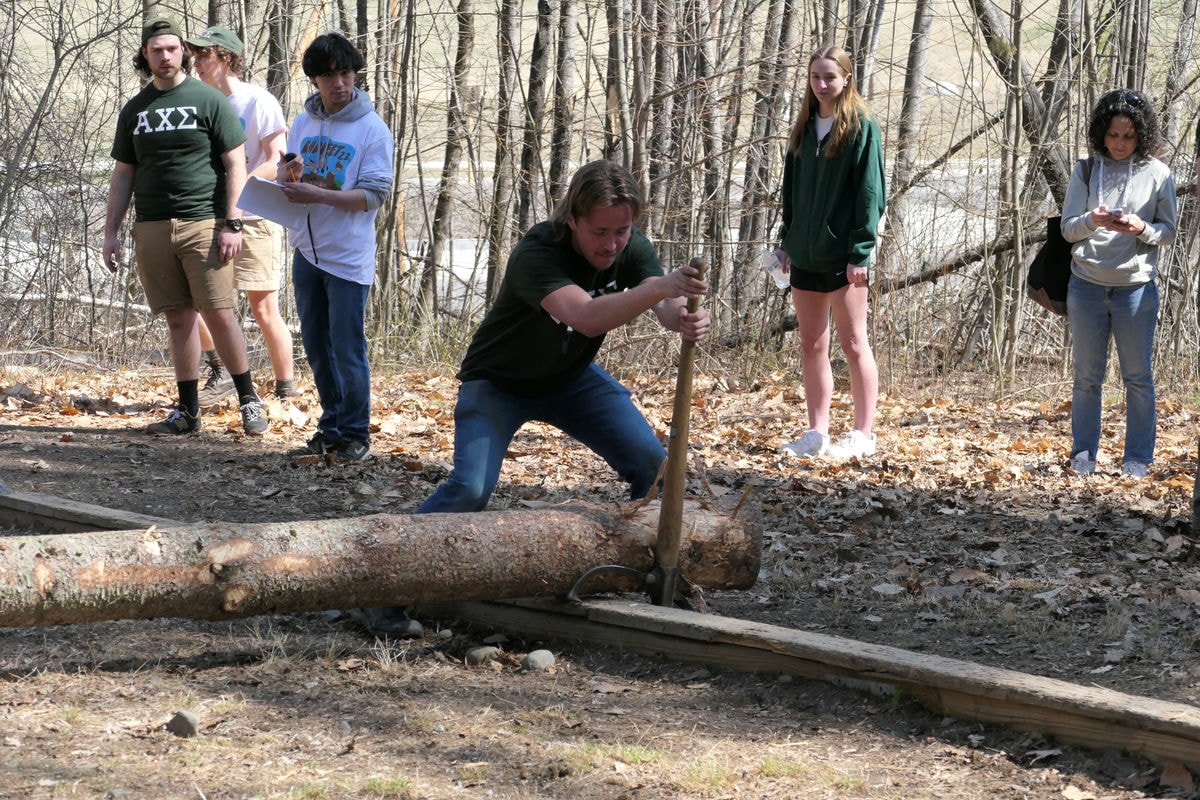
(508,36)
(617,124)
(715,203)
(763,149)
(909,127)
(535,100)
(565,80)
(456,136)
(1177,72)
(641,78)
(662,107)
(279,51)
(225,570)
(1057,163)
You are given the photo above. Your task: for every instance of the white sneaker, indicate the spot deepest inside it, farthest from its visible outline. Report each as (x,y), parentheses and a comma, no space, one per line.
(1135,469)
(1082,463)
(812,443)
(853,444)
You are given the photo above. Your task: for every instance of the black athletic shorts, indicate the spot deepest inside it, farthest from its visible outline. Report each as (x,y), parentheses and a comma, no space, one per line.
(823,282)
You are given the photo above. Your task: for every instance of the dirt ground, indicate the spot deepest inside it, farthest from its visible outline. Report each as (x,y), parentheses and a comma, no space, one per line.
(964,537)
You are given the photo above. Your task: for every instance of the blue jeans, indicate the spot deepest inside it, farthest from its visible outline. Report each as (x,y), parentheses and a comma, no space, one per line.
(594,408)
(331,312)
(1128,315)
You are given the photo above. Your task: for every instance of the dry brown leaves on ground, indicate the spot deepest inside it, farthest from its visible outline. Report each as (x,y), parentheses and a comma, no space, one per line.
(965,536)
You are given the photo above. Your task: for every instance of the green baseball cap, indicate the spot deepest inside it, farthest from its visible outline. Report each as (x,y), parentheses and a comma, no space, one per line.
(160,26)
(217,36)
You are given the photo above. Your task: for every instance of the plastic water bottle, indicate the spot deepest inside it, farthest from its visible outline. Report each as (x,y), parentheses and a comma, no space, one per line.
(775,269)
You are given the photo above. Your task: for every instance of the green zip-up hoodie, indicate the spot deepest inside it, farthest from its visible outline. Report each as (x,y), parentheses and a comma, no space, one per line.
(832,206)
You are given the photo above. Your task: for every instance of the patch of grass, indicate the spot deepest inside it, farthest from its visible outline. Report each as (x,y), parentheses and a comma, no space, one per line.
(775,767)
(475,772)
(590,756)
(309,791)
(707,775)
(389,788)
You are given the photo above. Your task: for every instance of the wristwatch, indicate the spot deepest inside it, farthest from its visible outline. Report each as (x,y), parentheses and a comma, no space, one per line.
(234,225)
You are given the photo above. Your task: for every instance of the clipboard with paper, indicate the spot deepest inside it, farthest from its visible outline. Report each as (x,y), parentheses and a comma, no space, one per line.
(266,199)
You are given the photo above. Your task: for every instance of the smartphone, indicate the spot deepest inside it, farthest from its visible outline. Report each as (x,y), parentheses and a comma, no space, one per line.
(1117,212)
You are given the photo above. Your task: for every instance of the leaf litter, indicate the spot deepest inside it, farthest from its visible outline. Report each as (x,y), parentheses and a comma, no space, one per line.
(966,536)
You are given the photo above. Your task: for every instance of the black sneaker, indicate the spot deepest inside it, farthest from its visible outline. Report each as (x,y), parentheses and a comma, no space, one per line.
(177,422)
(254,416)
(315,446)
(349,451)
(218,385)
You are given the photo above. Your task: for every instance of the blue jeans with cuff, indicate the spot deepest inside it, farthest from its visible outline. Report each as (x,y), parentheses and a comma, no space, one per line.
(594,409)
(331,311)
(1128,315)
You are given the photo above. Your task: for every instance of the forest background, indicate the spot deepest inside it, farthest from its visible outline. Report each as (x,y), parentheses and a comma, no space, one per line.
(494,105)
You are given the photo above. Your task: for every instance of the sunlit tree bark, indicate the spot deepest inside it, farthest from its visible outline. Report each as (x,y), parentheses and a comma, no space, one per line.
(565,79)
(508,35)
(535,99)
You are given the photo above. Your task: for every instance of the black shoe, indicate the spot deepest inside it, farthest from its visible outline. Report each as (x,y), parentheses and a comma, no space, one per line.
(387,621)
(177,422)
(218,385)
(349,451)
(315,446)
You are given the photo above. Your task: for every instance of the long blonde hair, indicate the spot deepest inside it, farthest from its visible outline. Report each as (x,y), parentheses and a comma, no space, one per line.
(848,106)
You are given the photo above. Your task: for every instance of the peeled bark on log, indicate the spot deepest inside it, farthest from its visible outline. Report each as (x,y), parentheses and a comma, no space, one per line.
(226,570)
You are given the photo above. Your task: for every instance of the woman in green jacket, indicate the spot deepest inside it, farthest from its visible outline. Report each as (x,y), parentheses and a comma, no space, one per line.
(833,197)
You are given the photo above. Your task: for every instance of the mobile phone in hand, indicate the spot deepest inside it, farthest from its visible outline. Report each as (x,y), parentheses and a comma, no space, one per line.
(1117,212)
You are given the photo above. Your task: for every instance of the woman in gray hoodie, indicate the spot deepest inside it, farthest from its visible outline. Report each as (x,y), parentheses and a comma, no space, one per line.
(1117,222)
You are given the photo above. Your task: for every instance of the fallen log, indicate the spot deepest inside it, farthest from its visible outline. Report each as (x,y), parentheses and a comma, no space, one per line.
(226,570)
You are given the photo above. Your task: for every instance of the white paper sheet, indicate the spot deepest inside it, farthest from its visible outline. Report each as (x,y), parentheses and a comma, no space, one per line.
(267,200)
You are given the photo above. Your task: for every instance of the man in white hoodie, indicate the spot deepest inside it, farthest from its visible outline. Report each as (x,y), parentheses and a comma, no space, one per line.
(339,166)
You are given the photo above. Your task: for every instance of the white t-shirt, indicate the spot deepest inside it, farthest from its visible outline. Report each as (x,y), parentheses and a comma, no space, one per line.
(261,117)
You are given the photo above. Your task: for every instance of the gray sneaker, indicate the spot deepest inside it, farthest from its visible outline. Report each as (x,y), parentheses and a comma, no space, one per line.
(254,416)
(1135,469)
(177,422)
(218,385)
(348,451)
(1082,463)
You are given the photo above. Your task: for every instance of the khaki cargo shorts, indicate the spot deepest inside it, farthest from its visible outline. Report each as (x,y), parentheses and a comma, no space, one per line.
(179,264)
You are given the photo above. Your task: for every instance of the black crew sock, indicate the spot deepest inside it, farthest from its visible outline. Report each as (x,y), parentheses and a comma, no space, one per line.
(189,396)
(245,386)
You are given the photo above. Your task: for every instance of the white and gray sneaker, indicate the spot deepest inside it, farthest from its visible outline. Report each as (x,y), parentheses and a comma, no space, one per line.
(853,444)
(1082,463)
(1135,469)
(812,443)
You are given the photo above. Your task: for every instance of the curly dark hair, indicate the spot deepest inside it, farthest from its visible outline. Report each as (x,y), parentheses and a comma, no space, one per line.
(1134,105)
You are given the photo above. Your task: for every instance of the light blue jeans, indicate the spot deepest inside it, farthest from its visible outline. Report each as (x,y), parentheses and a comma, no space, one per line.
(1128,315)
(331,312)
(594,408)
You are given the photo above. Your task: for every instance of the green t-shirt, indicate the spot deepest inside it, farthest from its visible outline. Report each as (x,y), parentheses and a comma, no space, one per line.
(175,140)
(519,347)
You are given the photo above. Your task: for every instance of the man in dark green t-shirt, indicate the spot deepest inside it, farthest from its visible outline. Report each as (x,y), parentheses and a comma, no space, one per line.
(569,281)
(180,158)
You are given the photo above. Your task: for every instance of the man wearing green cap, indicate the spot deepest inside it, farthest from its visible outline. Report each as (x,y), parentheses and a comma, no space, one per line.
(179,157)
(218,62)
